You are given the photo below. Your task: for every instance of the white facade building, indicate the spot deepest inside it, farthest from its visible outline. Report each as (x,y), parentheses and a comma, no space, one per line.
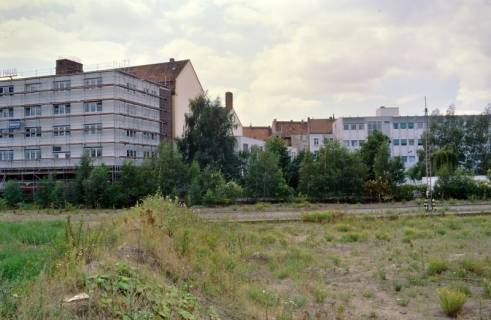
(48,123)
(405,132)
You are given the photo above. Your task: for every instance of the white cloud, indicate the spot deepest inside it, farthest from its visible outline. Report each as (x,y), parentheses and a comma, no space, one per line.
(282,59)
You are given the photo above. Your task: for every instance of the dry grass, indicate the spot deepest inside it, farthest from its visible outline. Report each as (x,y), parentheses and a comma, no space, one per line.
(350,269)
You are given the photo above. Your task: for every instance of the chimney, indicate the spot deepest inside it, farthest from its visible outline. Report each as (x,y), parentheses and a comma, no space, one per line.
(66,66)
(172,60)
(229,100)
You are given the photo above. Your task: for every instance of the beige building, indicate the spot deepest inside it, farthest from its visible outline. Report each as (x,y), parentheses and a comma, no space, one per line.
(181,78)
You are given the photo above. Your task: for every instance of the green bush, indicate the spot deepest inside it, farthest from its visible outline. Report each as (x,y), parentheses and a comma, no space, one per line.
(3,204)
(351,237)
(451,301)
(12,193)
(437,266)
(318,217)
(487,288)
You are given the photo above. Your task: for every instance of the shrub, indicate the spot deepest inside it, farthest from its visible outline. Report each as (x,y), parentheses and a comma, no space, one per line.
(12,193)
(3,204)
(472,265)
(341,227)
(462,287)
(262,297)
(451,301)
(383,236)
(351,237)
(318,217)
(437,266)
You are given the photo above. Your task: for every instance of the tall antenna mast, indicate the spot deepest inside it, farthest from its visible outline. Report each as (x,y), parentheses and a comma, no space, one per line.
(429,193)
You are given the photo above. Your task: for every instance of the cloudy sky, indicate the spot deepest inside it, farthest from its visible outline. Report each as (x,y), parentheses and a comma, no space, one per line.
(282,59)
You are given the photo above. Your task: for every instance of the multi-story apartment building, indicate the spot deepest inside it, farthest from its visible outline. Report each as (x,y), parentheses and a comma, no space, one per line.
(48,122)
(405,132)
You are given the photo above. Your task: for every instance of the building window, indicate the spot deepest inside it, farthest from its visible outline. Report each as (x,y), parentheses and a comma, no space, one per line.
(32,87)
(93,128)
(62,85)
(93,82)
(94,152)
(354,143)
(61,131)
(316,141)
(6,112)
(403,125)
(346,143)
(411,142)
(420,125)
(404,159)
(411,159)
(6,155)
(361,142)
(396,125)
(61,108)
(420,142)
(32,111)
(410,125)
(33,132)
(353,127)
(403,142)
(361,126)
(6,90)
(374,126)
(346,127)
(395,142)
(131,154)
(32,154)
(93,106)
(130,133)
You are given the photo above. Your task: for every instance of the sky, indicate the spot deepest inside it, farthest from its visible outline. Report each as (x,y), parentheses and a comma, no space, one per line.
(282,59)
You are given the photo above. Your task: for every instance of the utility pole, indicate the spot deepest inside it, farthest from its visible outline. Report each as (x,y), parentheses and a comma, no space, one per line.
(429,193)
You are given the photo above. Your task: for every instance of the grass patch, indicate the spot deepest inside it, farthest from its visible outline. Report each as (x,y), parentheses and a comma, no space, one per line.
(318,217)
(451,301)
(351,237)
(437,266)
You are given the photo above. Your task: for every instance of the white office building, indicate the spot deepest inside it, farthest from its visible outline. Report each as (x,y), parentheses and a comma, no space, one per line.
(405,132)
(48,122)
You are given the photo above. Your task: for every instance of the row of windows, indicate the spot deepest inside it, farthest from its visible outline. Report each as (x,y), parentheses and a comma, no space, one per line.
(354,126)
(408,125)
(65,130)
(63,85)
(354,143)
(405,142)
(377,125)
(65,108)
(94,152)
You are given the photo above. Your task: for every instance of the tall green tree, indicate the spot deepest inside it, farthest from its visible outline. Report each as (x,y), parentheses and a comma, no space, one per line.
(263,177)
(173,172)
(335,172)
(208,137)
(96,186)
(293,169)
(82,174)
(277,146)
(44,195)
(370,149)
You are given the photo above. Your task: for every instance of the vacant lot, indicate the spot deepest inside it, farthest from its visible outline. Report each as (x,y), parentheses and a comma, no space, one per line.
(160,261)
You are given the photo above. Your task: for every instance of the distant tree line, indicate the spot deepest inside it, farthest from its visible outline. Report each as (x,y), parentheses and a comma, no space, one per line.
(203,168)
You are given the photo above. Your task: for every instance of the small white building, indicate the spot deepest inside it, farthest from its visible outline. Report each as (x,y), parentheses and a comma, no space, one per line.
(404,132)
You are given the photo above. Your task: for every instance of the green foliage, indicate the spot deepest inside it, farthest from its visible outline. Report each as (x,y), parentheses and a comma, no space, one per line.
(263,297)
(371,154)
(319,217)
(451,301)
(44,192)
(208,137)
(458,185)
(335,172)
(277,146)
(437,266)
(293,170)
(487,288)
(263,177)
(96,187)
(173,173)
(12,193)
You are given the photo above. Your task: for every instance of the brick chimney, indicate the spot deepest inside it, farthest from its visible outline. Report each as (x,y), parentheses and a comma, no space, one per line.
(66,66)
(229,100)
